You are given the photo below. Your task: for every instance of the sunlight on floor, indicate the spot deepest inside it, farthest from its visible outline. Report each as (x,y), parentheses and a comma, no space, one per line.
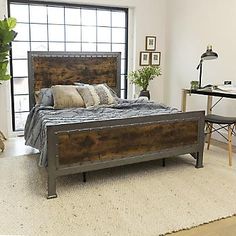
(16,147)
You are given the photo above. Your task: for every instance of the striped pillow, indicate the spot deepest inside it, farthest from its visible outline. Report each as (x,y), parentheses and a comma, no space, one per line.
(94,95)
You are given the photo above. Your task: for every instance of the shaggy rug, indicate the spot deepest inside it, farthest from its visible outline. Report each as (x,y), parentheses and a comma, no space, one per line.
(143,199)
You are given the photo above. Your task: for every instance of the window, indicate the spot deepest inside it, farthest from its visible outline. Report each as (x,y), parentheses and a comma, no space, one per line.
(43,26)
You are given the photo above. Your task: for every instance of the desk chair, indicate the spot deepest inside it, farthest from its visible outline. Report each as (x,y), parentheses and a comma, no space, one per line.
(221,122)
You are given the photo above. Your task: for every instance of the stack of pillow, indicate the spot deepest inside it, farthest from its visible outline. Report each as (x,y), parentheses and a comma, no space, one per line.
(81,95)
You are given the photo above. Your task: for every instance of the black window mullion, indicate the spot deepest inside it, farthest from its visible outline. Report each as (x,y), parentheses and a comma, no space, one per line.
(81,47)
(12,83)
(47,30)
(96,30)
(30,42)
(47,4)
(21,94)
(111,29)
(18,112)
(126,52)
(64,29)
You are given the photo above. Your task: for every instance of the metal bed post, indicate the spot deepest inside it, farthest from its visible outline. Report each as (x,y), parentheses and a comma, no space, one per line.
(201,141)
(51,168)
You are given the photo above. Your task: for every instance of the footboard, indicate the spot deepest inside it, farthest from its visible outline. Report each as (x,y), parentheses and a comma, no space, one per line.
(75,148)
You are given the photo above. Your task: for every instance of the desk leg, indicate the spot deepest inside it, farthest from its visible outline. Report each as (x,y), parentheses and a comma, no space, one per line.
(209,105)
(2,137)
(208,129)
(184,100)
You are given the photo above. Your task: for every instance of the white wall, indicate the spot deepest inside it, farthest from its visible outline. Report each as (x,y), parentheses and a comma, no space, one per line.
(145,18)
(191,26)
(5,107)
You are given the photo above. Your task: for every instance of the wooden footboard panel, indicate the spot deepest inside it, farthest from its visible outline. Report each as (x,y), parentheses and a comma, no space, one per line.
(107,143)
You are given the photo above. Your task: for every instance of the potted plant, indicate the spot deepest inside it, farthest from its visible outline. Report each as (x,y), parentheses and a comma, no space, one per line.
(7,35)
(143,76)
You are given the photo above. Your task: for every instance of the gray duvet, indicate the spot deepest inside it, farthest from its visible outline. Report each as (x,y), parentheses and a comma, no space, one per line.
(42,116)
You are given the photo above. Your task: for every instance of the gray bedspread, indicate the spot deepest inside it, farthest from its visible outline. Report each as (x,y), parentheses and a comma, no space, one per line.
(42,116)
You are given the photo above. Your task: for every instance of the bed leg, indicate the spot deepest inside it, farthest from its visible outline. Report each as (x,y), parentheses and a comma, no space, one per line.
(84,177)
(199,160)
(163,162)
(51,187)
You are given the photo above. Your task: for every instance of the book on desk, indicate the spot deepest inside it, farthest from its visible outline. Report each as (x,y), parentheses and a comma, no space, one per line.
(226,88)
(219,88)
(220,91)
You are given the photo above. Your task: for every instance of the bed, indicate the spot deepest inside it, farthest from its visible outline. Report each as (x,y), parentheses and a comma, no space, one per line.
(81,145)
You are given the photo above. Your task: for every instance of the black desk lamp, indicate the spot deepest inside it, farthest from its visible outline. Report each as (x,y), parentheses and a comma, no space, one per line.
(208,55)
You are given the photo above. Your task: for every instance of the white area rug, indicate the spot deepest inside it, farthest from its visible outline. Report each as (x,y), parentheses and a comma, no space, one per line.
(143,199)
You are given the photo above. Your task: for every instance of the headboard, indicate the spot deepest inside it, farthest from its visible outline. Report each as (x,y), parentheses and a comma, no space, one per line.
(52,68)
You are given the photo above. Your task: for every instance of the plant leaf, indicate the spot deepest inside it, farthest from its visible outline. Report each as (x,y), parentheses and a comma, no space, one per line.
(144,75)
(7,35)
(11,22)
(4,48)
(3,57)
(5,77)
(3,64)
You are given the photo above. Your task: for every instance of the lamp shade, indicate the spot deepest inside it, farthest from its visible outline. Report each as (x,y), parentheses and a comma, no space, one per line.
(209,54)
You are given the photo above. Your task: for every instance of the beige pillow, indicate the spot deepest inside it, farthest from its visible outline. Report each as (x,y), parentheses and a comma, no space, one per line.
(66,96)
(94,95)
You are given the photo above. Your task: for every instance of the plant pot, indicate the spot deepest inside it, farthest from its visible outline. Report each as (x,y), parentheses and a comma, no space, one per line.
(145,93)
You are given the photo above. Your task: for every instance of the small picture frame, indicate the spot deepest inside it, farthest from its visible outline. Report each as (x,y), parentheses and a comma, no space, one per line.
(155,58)
(150,43)
(144,59)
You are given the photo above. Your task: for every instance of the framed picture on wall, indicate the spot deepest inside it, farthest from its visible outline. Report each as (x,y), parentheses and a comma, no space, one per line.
(144,59)
(150,43)
(155,58)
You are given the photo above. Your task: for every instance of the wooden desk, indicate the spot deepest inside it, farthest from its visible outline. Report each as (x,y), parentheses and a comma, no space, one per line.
(209,95)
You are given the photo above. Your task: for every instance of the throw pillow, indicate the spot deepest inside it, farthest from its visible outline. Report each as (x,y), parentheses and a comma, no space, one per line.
(44,97)
(94,95)
(66,96)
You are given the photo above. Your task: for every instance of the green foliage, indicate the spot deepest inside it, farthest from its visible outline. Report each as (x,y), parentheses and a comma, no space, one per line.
(7,35)
(144,75)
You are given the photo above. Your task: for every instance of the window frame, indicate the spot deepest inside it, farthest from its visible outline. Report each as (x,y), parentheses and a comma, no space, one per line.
(65,5)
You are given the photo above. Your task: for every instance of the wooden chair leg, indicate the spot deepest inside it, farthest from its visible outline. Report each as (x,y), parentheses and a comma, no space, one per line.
(207,131)
(2,146)
(2,136)
(209,135)
(230,144)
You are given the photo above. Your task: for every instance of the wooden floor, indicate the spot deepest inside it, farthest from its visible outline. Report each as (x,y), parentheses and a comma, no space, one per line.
(224,227)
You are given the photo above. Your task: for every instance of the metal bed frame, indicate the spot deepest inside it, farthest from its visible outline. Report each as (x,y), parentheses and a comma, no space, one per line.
(79,148)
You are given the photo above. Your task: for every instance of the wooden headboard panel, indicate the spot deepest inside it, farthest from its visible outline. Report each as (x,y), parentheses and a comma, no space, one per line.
(52,68)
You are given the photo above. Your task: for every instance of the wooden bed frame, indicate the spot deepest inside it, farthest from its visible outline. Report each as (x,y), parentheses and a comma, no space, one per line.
(79,148)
